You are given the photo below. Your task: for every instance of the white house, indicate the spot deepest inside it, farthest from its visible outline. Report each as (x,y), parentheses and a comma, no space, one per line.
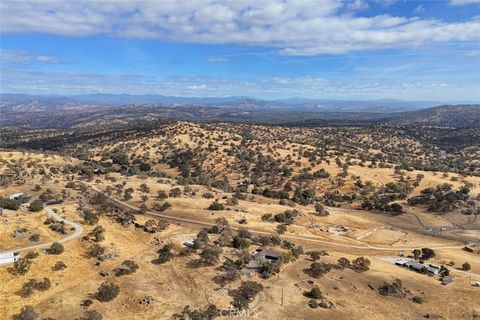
(189,243)
(9,257)
(20,196)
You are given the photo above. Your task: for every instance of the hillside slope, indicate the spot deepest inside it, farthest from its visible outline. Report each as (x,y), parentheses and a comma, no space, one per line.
(459,116)
(36,115)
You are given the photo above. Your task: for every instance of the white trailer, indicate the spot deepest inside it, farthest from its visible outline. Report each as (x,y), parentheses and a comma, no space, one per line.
(9,257)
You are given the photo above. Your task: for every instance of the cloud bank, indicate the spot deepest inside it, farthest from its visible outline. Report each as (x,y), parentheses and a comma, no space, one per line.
(270,88)
(294,27)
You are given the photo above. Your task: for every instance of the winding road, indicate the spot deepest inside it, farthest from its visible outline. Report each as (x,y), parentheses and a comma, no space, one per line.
(288,237)
(307,240)
(78,232)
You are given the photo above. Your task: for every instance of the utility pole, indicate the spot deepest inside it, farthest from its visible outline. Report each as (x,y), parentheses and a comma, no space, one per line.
(282,296)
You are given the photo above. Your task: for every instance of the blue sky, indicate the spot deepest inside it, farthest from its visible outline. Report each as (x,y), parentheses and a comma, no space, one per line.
(353,49)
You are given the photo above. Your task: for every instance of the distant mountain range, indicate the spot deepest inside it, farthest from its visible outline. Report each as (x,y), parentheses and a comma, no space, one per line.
(39,114)
(26,102)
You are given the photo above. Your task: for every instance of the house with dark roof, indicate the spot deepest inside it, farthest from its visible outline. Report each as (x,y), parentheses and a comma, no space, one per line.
(263,254)
(268,254)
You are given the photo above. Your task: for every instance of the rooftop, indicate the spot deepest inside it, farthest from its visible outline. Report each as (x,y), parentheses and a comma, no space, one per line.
(262,253)
(17,195)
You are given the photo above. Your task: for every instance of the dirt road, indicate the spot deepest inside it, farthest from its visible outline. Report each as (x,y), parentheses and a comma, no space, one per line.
(78,231)
(288,237)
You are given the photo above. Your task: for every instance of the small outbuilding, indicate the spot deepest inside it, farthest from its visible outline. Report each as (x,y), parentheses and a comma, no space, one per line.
(469,249)
(189,243)
(53,202)
(6,178)
(447,280)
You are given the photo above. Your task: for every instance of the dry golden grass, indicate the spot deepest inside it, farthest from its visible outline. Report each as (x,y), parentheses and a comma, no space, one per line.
(175,284)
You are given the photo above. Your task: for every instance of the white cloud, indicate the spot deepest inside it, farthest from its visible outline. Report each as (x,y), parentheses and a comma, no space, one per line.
(16,58)
(475,53)
(16,81)
(295,27)
(463,2)
(357,5)
(385,3)
(419,9)
(216,60)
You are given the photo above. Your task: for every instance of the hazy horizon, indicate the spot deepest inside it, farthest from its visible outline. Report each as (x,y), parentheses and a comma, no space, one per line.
(294,99)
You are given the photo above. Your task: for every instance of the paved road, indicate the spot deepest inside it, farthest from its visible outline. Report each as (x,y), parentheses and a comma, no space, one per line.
(78,231)
(365,246)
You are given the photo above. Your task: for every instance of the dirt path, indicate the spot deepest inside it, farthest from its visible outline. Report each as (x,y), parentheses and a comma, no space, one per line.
(78,231)
(310,240)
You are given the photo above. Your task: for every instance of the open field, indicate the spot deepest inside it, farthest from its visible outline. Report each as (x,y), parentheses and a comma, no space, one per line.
(140,197)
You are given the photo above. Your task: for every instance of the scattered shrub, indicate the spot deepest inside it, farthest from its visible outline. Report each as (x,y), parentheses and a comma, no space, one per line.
(394,289)
(281,229)
(27,313)
(360,264)
(418,299)
(21,266)
(208,195)
(162,195)
(162,207)
(466,266)
(59,265)
(56,248)
(33,284)
(313,304)
(240,243)
(318,269)
(36,206)
(107,292)
(32,255)
(34,237)
(95,250)
(91,315)
(129,267)
(98,233)
(227,277)
(175,193)
(90,217)
(9,204)
(209,313)
(215,206)
(315,293)
(210,256)
(247,291)
(267,269)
